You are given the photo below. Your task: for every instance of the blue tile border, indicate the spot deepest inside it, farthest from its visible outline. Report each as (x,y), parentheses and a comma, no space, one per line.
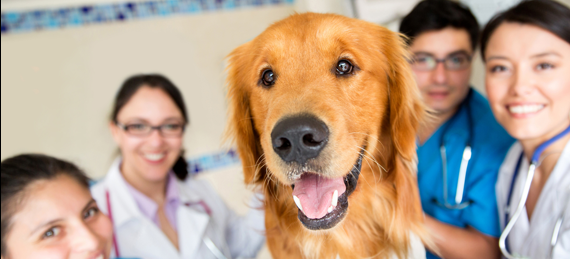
(76,16)
(213,161)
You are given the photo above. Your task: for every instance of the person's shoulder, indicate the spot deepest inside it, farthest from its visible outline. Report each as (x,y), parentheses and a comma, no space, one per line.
(199,187)
(98,189)
(100,186)
(513,154)
(509,163)
(484,122)
(480,108)
(194,182)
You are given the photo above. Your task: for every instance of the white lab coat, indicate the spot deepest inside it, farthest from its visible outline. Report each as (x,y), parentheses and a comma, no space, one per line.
(532,239)
(138,237)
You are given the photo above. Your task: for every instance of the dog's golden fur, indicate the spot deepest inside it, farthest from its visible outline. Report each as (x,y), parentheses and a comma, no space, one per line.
(377,107)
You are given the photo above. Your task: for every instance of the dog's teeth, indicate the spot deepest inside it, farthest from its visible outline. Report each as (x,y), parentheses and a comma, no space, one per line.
(330,209)
(335,198)
(298,202)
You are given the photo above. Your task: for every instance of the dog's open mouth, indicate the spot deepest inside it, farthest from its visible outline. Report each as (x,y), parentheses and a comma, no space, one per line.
(323,202)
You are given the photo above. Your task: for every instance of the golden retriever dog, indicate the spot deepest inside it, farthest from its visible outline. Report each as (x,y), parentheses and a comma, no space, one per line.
(324,111)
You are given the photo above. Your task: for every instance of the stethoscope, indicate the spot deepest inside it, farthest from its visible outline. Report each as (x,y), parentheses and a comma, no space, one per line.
(526,188)
(207,241)
(467,154)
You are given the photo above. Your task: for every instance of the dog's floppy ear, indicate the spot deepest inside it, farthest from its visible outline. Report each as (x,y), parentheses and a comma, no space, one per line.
(406,114)
(240,128)
(407,110)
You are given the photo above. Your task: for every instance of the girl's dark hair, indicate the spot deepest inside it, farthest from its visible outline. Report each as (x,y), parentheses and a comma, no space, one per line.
(132,85)
(546,14)
(18,172)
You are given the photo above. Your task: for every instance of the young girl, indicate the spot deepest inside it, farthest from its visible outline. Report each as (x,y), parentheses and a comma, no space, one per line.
(158,210)
(48,212)
(527,55)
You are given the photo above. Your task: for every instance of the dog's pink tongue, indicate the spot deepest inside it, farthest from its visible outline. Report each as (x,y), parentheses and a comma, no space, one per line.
(315,193)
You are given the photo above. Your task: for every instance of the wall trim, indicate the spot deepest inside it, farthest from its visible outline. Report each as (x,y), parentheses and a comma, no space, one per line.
(103,13)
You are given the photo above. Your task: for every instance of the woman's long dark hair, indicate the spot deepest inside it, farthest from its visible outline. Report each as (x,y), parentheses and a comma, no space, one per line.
(546,14)
(18,172)
(132,85)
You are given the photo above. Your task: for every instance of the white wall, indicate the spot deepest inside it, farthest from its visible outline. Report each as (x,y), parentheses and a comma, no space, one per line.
(58,85)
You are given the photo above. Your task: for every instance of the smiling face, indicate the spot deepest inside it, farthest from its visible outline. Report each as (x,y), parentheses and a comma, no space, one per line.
(311,133)
(528,81)
(322,101)
(148,158)
(442,89)
(58,218)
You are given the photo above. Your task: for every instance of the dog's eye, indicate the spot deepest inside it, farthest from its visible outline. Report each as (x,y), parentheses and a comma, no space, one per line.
(344,67)
(268,78)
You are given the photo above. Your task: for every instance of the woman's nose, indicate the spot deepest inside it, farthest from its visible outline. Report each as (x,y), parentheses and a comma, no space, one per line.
(84,239)
(155,138)
(522,83)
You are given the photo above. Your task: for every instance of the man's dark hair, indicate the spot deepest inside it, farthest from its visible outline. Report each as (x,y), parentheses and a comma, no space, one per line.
(433,15)
(546,14)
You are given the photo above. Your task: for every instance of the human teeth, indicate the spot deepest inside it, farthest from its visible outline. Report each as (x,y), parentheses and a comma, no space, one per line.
(335,198)
(522,109)
(100,257)
(330,209)
(298,202)
(154,157)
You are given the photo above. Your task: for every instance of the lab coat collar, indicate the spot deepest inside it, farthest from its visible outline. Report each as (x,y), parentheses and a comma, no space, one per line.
(192,217)
(124,206)
(192,220)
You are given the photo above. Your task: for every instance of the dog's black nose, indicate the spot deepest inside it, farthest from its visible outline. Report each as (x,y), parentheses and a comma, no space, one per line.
(299,138)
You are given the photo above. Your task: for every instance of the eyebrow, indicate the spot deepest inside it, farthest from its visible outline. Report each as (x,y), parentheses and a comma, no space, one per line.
(450,54)
(459,52)
(88,205)
(546,54)
(496,57)
(145,121)
(51,222)
(173,118)
(533,56)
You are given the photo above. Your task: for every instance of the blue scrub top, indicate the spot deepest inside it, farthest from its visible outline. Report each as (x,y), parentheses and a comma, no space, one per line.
(489,145)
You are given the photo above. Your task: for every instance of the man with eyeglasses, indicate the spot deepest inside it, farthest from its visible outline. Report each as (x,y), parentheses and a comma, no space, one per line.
(461,149)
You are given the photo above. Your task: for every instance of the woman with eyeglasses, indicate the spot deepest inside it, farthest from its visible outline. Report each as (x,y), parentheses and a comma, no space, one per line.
(158,210)
(526,51)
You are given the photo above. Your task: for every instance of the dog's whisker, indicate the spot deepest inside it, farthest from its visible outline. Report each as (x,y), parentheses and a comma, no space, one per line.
(370,166)
(374,159)
(360,170)
(380,167)
(376,149)
(260,159)
(269,182)
(368,135)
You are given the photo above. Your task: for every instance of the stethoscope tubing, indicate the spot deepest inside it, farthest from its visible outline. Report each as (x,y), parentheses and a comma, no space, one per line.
(526,188)
(110,214)
(520,207)
(465,158)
